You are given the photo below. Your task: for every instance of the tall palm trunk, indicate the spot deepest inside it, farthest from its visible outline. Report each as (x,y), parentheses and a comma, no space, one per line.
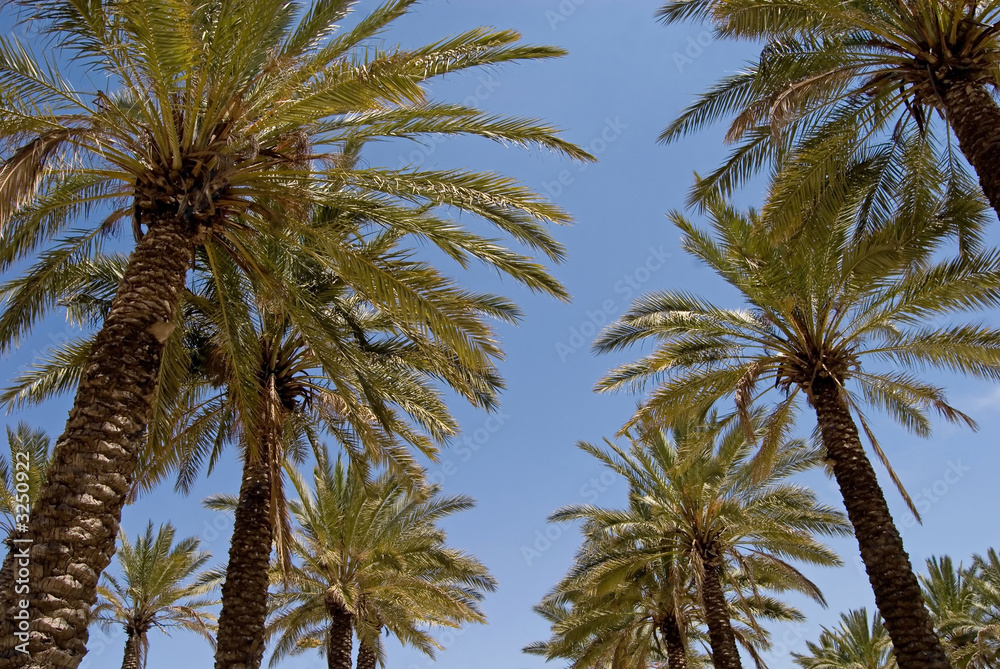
(339,638)
(720,630)
(897,592)
(367,656)
(71,534)
(974,116)
(240,640)
(670,630)
(133,650)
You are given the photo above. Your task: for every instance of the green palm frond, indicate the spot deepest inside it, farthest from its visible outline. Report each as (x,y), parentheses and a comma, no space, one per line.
(376,544)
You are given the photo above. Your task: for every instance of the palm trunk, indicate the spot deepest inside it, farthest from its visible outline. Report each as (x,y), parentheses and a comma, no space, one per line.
(367,656)
(240,640)
(897,592)
(720,630)
(71,534)
(974,116)
(670,630)
(133,651)
(339,638)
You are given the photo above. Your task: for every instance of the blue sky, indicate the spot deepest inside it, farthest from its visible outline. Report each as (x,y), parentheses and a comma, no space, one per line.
(625,77)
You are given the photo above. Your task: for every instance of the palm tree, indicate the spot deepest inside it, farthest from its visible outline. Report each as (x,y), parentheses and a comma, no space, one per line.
(645,620)
(23,476)
(857,283)
(152,593)
(950,599)
(986,607)
(224,129)
(373,559)
(835,77)
(696,506)
(859,642)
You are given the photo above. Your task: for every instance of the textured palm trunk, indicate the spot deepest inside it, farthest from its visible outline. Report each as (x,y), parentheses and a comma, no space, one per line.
(974,116)
(897,592)
(71,534)
(339,639)
(133,652)
(670,630)
(240,639)
(725,655)
(367,656)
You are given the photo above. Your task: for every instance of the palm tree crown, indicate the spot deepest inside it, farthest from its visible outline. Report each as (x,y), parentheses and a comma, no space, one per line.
(372,554)
(30,455)
(696,513)
(155,591)
(858,642)
(837,78)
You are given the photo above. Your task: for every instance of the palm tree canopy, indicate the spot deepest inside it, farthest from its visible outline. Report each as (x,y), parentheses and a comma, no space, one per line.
(248,129)
(688,494)
(374,547)
(23,475)
(157,586)
(838,79)
(858,642)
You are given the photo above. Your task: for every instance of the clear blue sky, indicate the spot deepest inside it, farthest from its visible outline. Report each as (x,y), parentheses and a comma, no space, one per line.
(625,78)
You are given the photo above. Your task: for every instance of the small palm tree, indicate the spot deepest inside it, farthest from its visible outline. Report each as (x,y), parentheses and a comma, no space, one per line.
(859,642)
(23,475)
(985,582)
(373,559)
(837,77)
(950,598)
(696,507)
(855,284)
(154,591)
(646,620)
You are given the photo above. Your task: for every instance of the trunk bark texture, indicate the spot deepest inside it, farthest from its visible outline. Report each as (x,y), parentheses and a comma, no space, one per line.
(240,640)
(897,592)
(725,655)
(70,537)
(974,116)
(670,630)
(367,657)
(133,651)
(340,638)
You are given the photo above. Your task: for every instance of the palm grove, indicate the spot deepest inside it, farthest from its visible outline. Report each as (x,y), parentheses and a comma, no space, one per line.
(248,281)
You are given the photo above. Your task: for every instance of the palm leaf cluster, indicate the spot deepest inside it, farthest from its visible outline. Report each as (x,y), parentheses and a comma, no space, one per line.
(836,80)
(370,552)
(156,589)
(700,543)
